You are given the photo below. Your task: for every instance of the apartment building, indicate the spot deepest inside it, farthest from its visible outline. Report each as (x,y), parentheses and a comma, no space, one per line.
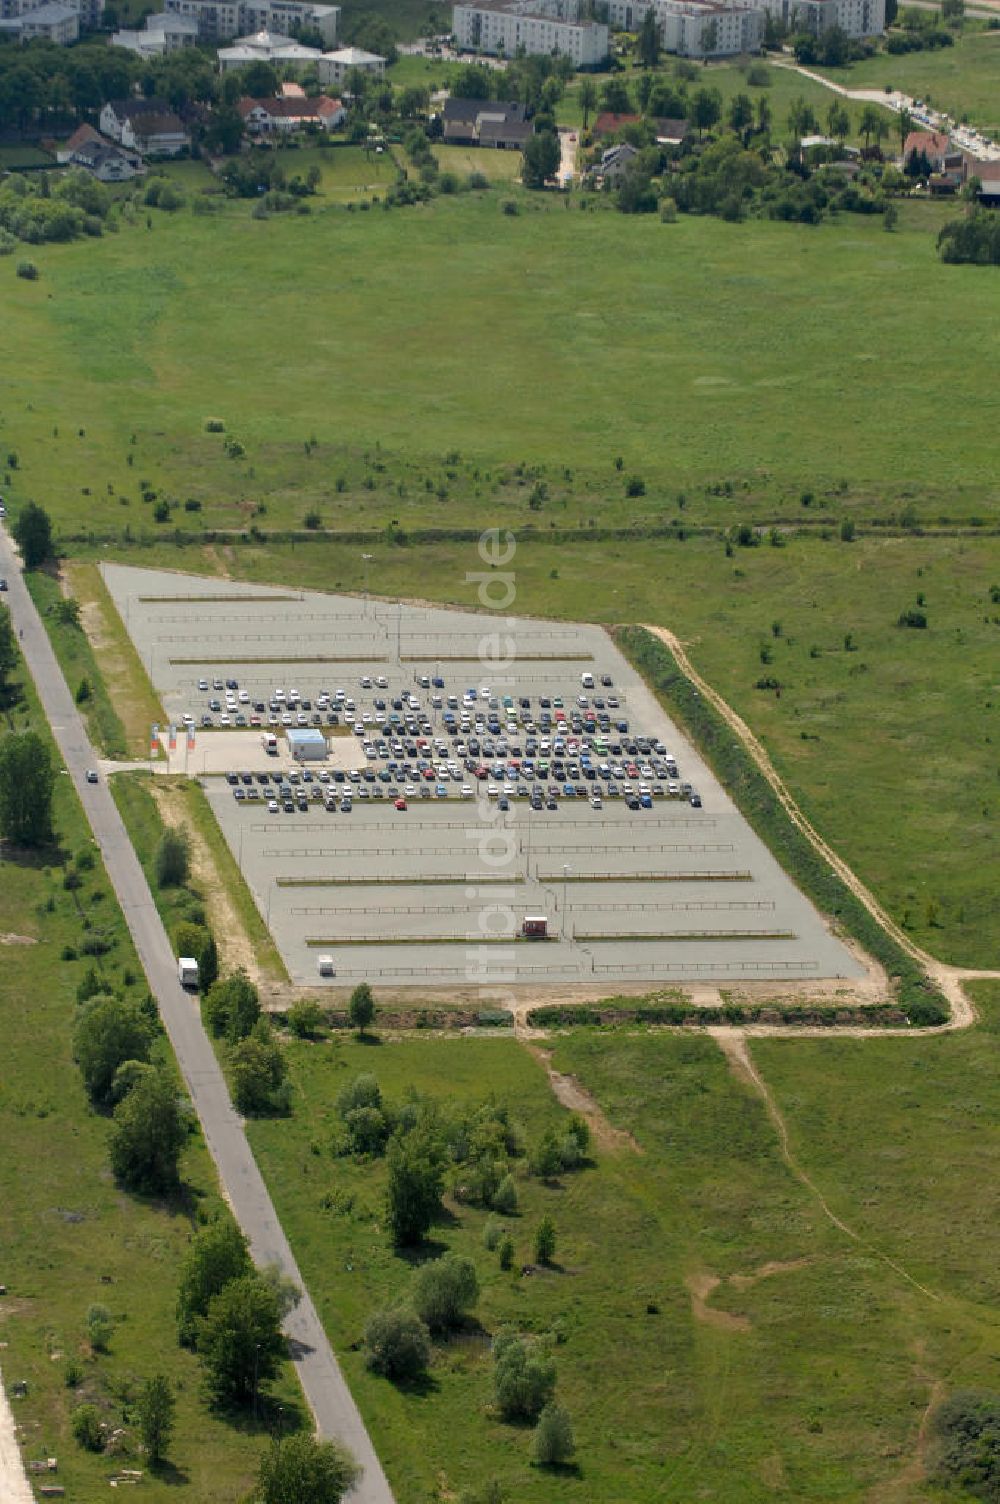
(221,19)
(538,27)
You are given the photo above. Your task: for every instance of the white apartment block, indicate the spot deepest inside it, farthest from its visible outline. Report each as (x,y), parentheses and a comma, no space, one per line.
(220,19)
(539,27)
(859,18)
(696,28)
(59,21)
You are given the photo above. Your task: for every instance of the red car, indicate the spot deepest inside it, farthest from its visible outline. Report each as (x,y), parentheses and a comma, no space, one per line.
(400,804)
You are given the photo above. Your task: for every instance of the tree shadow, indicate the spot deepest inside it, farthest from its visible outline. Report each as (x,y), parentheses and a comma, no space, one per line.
(169,1473)
(424,1386)
(35,858)
(418,1254)
(370,1041)
(560,1469)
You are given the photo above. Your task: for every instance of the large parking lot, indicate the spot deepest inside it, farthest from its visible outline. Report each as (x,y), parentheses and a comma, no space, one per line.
(457,802)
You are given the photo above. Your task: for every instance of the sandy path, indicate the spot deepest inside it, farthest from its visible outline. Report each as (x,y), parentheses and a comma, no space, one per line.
(948,978)
(14,1485)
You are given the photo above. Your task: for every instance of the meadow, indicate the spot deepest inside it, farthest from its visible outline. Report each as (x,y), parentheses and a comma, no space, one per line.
(70,1236)
(771,358)
(806,1366)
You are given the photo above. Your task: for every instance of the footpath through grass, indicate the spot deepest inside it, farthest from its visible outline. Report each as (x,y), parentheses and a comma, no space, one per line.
(69,1236)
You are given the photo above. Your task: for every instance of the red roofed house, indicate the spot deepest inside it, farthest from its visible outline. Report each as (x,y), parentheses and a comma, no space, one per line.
(274,117)
(608,124)
(933,145)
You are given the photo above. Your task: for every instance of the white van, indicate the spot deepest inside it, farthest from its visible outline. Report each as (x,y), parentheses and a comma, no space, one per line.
(587,681)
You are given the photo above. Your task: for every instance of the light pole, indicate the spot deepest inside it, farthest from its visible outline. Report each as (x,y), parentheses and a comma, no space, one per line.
(567,869)
(366,560)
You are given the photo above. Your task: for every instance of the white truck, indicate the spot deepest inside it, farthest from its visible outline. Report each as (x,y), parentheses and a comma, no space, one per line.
(586,681)
(270,743)
(187,971)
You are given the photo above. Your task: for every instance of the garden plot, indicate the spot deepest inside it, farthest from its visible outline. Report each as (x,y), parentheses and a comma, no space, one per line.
(482,801)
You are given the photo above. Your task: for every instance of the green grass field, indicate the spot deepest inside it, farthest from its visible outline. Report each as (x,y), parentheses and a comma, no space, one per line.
(745,353)
(962,80)
(813,1379)
(497,166)
(70,1237)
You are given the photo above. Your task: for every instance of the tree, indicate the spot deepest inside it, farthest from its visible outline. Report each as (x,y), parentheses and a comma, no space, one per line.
(416,1180)
(155,1414)
(838,121)
(240,1340)
(305,1018)
(474,81)
(172,863)
(218,1255)
(904,124)
(444,1291)
(541,159)
(148,1135)
(872,124)
(302,1470)
(257,1071)
(284,1289)
(706,107)
(27,782)
(953,10)
(545,1160)
(232,1007)
(361,1008)
(545,1241)
(890,217)
(87,1428)
(763,115)
(397,1344)
(8,648)
(100,1327)
(33,535)
(740,115)
(588,99)
(260,81)
(615,97)
(108,1032)
(524,1379)
(649,40)
(801,118)
(553,1444)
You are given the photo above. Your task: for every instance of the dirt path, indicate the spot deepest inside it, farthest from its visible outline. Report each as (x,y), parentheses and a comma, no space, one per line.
(569,1091)
(14,1485)
(735,1047)
(948,978)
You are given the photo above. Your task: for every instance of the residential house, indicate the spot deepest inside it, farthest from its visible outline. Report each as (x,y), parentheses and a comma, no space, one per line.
(485,122)
(269,47)
(615,163)
(284,116)
(609,124)
(148,126)
(163,33)
(934,145)
(334,67)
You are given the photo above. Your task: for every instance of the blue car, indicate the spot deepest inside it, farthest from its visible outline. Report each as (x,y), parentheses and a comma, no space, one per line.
(441,790)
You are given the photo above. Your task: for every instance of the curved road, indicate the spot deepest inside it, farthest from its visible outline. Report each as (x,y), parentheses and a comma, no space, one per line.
(329,1398)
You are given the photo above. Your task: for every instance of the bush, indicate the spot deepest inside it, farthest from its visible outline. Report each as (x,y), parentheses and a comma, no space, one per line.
(257,1071)
(172,862)
(553,1445)
(505,1252)
(492,1234)
(232,1007)
(28,270)
(912,618)
(305,1018)
(965,1444)
(87,1428)
(214,425)
(108,1032)
(100,1327)
(510,207)
(635,486)
(363,1091)
(397,1344)
(524,1379)
(505,1197)
(361,1008)
(545,1241)
(367,1130)
(444,1292)
(668,211)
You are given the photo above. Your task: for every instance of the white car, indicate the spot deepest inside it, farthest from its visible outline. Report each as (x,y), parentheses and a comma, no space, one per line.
(493,791)
(244,697)
(272,806)
(466,790)
(596,803)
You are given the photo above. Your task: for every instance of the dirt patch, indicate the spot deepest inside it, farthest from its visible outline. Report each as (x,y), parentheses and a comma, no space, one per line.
(569,1091)
(10,939)
(700,1288)
(135,707)
(765,1271)
(902,1488)
(14,1485)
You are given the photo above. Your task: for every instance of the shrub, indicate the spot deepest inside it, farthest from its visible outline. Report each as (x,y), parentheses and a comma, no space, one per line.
(553,1445)
(363,1091)
(172,862)
(214,425)
(361,1008)
(444,1291)
(545,1241)
(83,691)
(965,1443)
(87,1429)
(28,270)
(510,206)
(232,1007)
(635,486)
(492,1234)
(505,1253)
(505,1197)
(100,1326)
(397,1344)
(912,618)
(305,1018)
(367,1130)
(524,1379)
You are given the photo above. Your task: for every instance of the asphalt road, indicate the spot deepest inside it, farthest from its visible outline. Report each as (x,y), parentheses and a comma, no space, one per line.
(335,1412)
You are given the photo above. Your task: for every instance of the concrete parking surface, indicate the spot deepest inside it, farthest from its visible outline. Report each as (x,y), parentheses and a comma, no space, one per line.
(436,892)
